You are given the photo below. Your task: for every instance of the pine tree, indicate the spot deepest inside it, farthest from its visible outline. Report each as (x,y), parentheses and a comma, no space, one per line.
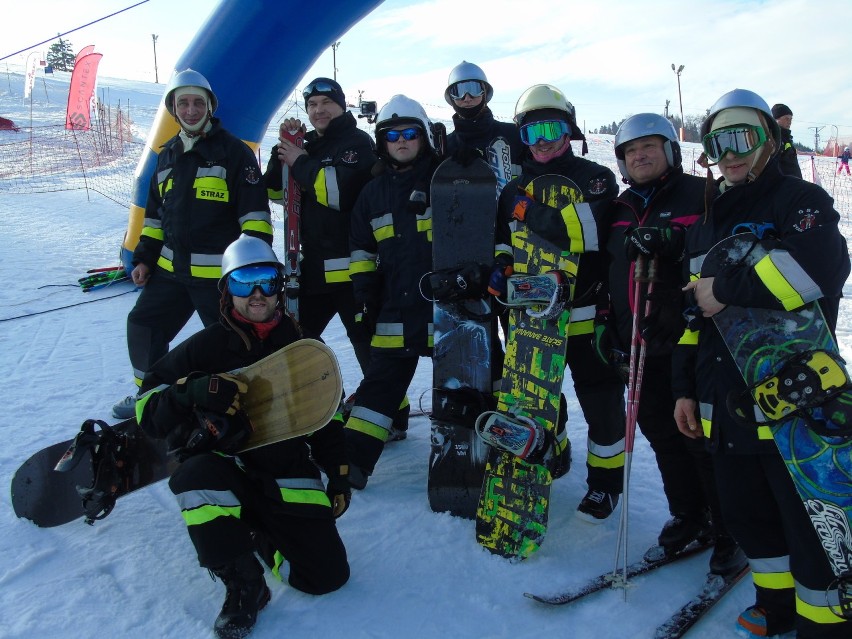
(61,56)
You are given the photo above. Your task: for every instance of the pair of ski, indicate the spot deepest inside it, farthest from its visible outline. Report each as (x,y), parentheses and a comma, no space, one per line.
(714,588)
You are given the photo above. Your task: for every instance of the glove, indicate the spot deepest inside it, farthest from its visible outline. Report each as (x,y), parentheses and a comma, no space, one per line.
(665,241)
(606,343)
(365,321)
(339,491)
(466,155)
(497,281)
(519,209)
(210,431)
(215,393)
(662,327)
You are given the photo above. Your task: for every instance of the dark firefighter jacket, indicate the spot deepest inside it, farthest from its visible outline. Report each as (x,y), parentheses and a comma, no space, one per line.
(331,176)
(674,199)
(199,202)
(391,244)
(812,263)
(217,349)
(578,228)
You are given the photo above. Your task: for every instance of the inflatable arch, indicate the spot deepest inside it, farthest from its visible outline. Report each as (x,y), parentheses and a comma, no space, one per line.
(253,52)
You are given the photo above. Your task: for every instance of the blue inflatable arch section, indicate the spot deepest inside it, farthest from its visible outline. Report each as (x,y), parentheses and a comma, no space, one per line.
(253,52)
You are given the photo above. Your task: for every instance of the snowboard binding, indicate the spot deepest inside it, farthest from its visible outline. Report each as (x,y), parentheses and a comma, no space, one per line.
(461,406)
(113,457)
(806,385)
(552,291)
(518,435)
(466,282)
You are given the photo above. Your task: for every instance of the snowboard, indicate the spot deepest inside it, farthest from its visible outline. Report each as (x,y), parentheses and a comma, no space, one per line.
(292,392)
(762,343)
(511,517)
(463,216)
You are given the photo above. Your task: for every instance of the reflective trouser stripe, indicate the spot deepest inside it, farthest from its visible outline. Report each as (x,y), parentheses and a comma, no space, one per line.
(611,456)
(772,573)
(203,506)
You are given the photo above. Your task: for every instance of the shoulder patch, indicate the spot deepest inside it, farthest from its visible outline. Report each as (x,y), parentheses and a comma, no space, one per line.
(251,175)
(807,220)
(349,156)
(597,186)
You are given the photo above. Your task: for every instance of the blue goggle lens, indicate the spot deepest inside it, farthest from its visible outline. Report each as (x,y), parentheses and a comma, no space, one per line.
(243,281)
(408,134)
(549,131)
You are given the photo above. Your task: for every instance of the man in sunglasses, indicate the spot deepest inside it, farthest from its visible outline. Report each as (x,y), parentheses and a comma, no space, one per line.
(269,500)
(474,126)
(205,192)
(547,123)
(649,221)
(391,243)
(794,584)
(331,169)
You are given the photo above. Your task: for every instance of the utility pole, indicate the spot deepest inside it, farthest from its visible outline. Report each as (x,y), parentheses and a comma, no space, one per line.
(156,77)
(680,99)
(816,129)
(334,46)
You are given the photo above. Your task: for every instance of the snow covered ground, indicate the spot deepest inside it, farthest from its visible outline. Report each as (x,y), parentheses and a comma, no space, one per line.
(415,573)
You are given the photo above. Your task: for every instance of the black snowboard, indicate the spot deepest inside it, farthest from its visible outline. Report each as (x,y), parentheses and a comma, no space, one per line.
(463,219)
(50,498)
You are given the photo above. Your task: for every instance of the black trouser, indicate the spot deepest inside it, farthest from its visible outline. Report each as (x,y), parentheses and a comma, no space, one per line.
(377,401)
(316,311)
(683,462)
(765,515)
(162,310)
(311,545)
(600,392)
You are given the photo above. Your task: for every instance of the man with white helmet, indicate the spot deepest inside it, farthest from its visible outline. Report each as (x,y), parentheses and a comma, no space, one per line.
(649,219)
(269,500)
(795,587)
(206,190)
(391,244)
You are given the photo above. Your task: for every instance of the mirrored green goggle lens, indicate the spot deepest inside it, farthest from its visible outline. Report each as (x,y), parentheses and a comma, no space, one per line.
(739,140)
(549,131)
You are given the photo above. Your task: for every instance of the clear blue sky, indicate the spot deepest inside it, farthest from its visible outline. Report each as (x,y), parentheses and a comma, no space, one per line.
(612,58)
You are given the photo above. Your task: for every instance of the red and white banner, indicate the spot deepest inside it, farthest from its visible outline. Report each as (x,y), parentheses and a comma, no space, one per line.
(29,79)
(82,91)
(84,51)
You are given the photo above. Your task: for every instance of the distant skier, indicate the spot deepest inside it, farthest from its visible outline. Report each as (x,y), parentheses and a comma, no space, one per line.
(763,512)
(788,159)
(844,161)
(269,500)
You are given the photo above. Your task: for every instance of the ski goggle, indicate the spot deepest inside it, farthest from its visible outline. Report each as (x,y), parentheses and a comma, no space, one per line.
(318,87)
(739,140)
(407,134)
(243,281)
(549,131)
(473,88)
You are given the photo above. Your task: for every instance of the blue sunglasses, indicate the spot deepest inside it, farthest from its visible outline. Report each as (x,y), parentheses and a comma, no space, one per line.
(243,281)
(408,134)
